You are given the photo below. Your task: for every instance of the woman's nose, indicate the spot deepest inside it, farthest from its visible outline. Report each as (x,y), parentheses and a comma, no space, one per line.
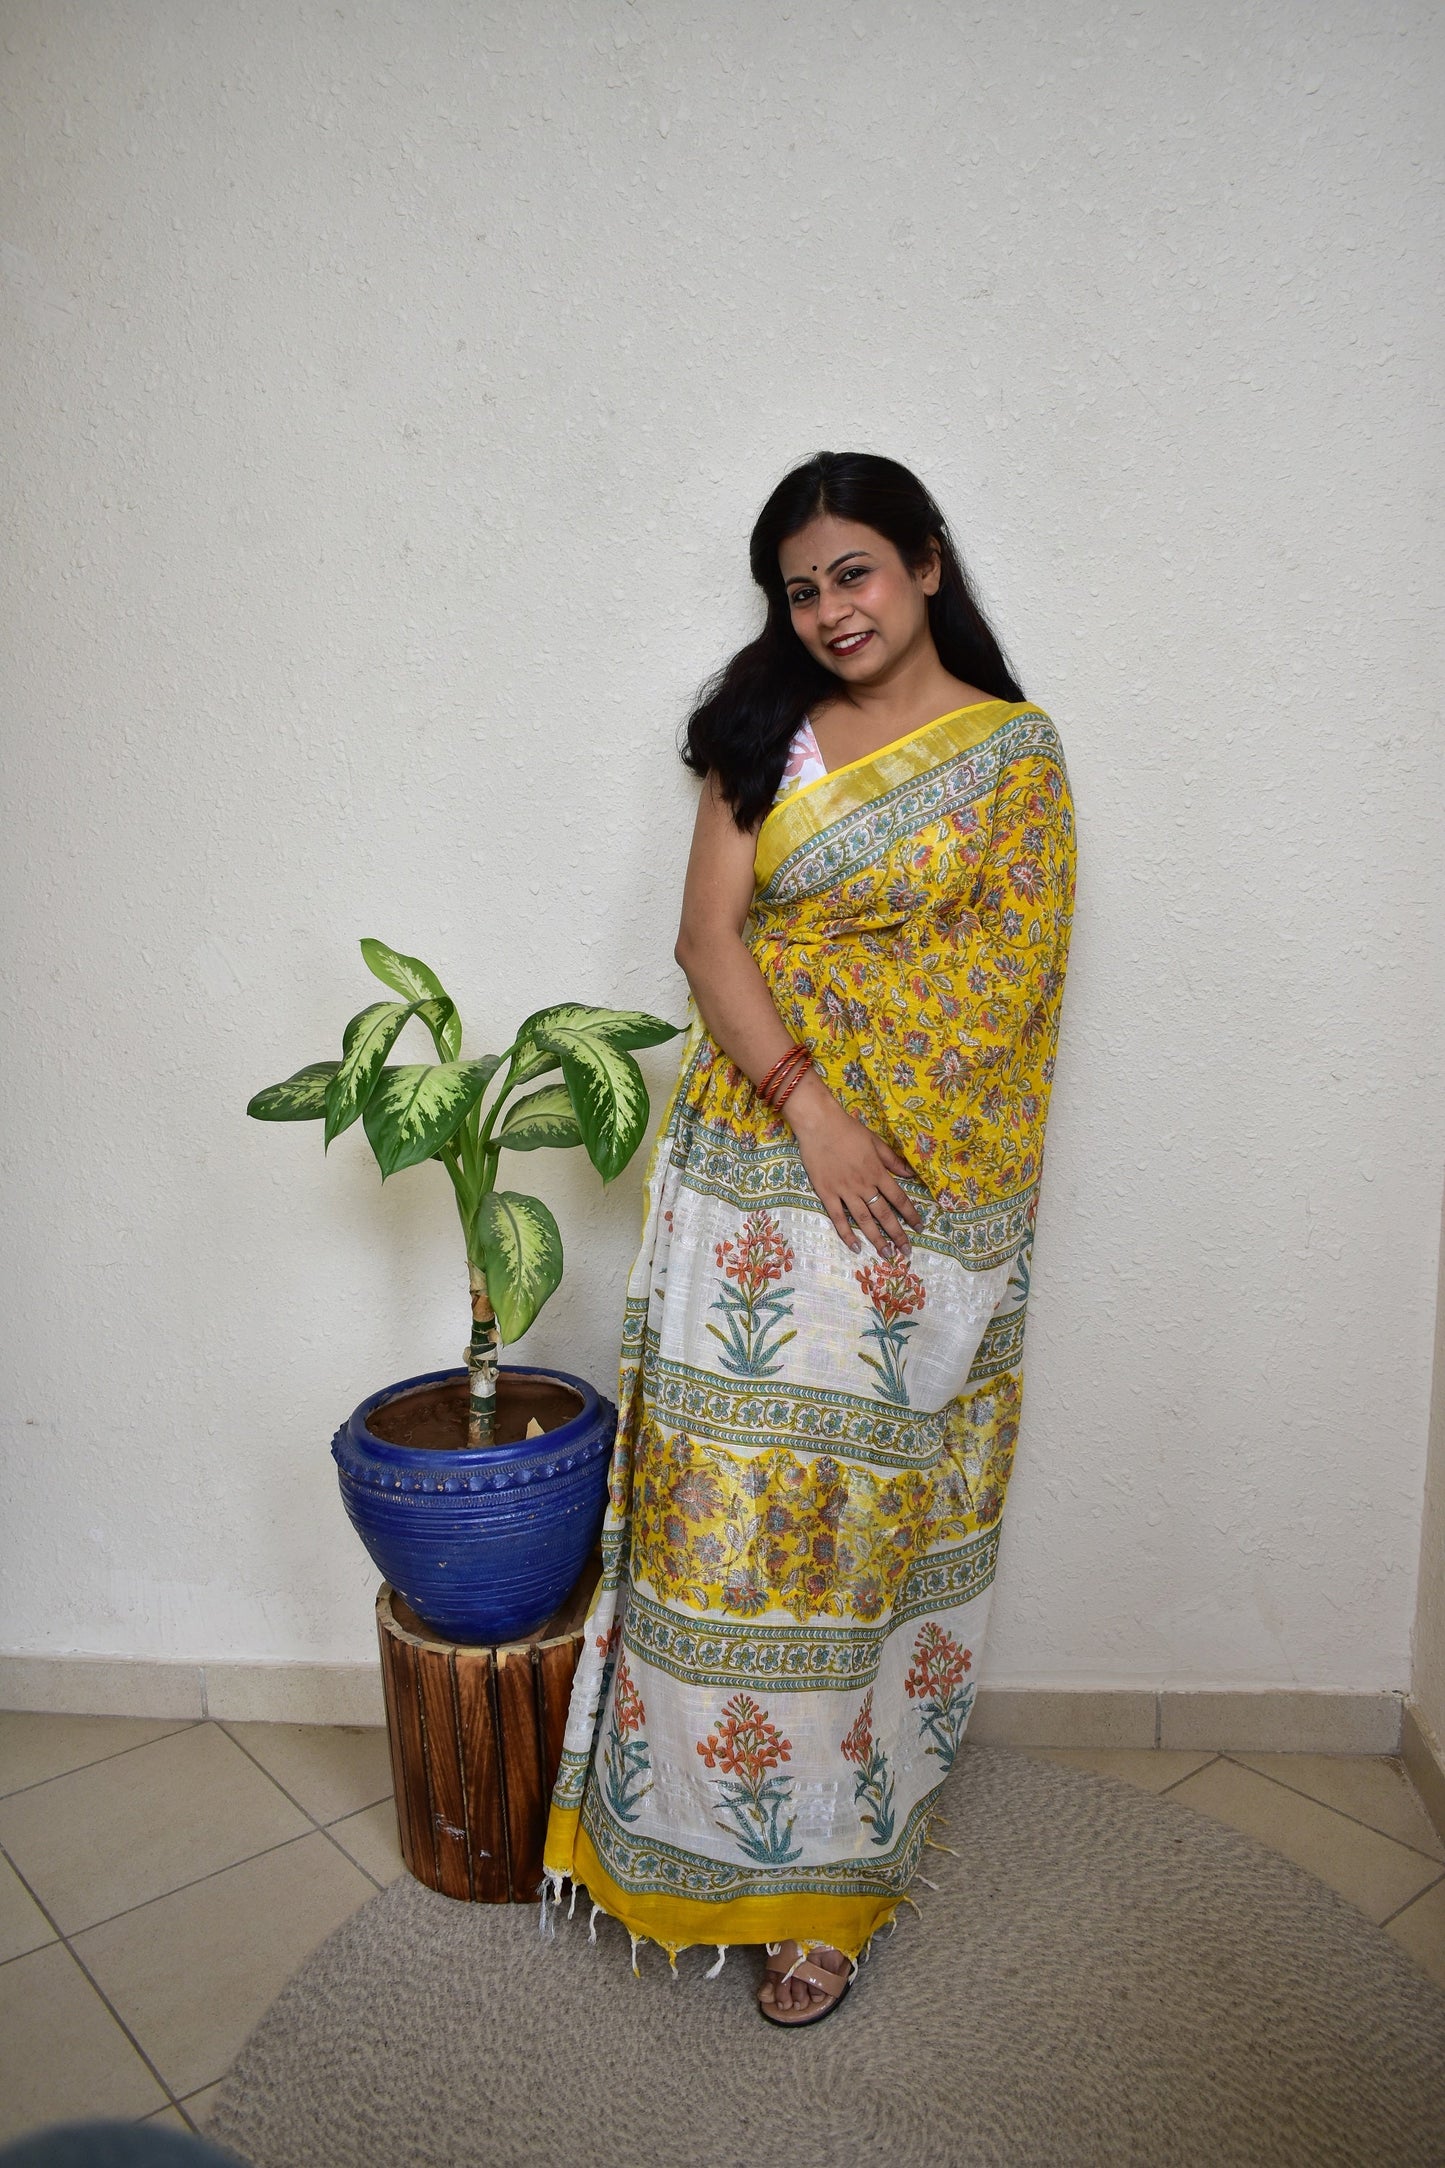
(832,609)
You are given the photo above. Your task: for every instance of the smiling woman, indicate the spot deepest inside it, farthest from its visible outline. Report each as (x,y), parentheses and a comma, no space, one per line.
(822,1345)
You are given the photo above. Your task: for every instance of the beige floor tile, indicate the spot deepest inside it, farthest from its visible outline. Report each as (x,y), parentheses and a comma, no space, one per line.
(102,1839)
(191,1973)
(1372,1788)
(329,1769)
(167,2119)
(198,2106)
(65,2056)
(1373,1871)
(33,1748)
(1153,1768)
(371,1839)
(23,1926)
(1420,1929)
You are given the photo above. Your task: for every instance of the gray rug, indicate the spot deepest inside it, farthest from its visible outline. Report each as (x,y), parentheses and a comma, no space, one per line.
(1101,1977)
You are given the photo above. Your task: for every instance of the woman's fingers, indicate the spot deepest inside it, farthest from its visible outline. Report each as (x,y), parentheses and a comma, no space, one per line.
(837,1212)
(901,1202)
(879,1219)
(896,1208)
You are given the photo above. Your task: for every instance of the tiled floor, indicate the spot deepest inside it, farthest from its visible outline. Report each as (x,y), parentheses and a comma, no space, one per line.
(160,1881)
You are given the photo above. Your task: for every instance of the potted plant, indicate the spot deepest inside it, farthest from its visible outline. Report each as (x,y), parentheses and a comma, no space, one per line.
(479,1491)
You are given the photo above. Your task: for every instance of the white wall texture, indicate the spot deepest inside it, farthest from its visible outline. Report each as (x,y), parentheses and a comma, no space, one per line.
(1427,1664)
(391,389)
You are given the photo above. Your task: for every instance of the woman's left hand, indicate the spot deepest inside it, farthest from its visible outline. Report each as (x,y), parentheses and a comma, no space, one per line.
(855,1173)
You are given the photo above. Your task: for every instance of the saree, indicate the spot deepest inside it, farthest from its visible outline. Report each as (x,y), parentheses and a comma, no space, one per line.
(814,1445)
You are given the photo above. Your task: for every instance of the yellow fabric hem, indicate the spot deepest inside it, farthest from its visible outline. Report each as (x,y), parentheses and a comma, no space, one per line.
(800,813)
(561,1840)
(681,1923)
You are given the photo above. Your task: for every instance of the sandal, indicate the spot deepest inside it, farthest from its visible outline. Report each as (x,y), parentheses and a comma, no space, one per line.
(833,1984)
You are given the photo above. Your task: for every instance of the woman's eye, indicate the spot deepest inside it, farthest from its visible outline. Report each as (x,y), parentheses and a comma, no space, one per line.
(801,594)
(853,572)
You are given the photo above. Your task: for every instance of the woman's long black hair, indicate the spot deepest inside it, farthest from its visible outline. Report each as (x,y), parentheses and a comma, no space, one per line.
(747,714)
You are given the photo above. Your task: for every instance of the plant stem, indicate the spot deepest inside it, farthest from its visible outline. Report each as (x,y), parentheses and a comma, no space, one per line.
(482,1364)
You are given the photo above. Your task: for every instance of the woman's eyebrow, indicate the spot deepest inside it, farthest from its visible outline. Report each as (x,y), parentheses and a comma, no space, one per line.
(789,577)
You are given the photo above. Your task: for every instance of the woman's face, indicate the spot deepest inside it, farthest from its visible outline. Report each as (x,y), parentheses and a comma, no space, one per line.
(855,604)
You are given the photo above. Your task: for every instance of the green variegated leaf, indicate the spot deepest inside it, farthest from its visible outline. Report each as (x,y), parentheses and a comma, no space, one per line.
(442,1021)
(419,983)
(613,1027)
(403,974)
(302,1098)
(544,1118)
(521,1255)
(415,1108)
(365,1044)
(608,1097)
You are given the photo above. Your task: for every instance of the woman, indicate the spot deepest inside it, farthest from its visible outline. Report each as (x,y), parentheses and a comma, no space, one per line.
(822,1347)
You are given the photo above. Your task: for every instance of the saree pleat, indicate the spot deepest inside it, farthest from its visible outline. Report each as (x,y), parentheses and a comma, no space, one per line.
(814,1447)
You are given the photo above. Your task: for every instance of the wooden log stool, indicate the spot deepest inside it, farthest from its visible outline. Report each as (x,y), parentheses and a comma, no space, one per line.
(476,1738)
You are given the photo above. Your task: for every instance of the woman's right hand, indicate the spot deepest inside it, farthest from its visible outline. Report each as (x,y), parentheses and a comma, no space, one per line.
(854,1172)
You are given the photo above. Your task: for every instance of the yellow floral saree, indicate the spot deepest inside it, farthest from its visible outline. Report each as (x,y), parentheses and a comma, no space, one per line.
(813,1446)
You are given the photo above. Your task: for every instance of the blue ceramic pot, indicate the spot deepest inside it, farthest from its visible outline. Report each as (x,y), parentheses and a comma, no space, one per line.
(484,1543)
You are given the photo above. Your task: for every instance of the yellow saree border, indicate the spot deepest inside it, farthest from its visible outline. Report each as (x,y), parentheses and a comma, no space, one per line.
(813,806)
(685,1923)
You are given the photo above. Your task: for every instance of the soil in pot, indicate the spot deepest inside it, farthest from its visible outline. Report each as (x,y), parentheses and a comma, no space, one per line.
(433,1419)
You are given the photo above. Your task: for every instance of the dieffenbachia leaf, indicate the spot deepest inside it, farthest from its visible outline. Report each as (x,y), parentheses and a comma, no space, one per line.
(521,1255)
(607,1092)
(416,1108)
(410,976)
(302,1098)
(442,1021)
(544,1118)
(613,1027)
(365,1044)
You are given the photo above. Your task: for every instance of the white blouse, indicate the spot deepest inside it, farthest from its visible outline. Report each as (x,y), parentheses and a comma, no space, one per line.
(804,763)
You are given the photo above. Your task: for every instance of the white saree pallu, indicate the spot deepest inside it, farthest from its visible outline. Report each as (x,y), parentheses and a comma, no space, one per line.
(814,1445)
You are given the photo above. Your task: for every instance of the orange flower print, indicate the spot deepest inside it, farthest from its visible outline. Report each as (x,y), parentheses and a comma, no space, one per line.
(873,1784)
(859,1743)
(894,1294)
(936,1683)
(757,1256)
(746,1746)
(627,1763)
(627,1702)
(753,1304)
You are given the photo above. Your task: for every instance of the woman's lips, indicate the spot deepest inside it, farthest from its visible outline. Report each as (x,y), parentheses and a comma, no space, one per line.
(851,643)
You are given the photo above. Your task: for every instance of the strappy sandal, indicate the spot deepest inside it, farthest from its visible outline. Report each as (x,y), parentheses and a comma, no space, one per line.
(833,1984)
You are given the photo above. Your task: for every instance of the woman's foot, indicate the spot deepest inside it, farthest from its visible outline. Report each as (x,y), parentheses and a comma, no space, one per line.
(797,2001)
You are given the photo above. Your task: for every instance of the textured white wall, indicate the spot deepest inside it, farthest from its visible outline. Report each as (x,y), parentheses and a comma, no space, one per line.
(1427,1667)
(391,392)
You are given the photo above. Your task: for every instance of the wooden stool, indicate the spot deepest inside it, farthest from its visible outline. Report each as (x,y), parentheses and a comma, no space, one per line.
(476,1737)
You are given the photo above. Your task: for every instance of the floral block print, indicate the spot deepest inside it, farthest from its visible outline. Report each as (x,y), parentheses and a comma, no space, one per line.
(811,1534)
(753,1305)
(936,1683)
(873,1784)
(983,1430)
(627,1763)
(894,1294)
(786,1519)
(746,1747)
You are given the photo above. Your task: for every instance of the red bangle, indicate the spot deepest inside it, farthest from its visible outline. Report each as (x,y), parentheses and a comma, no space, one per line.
(792,1084)
(782,1062)
(797,1059)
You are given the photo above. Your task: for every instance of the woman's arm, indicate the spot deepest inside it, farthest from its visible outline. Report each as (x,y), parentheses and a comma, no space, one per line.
(853,1171)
